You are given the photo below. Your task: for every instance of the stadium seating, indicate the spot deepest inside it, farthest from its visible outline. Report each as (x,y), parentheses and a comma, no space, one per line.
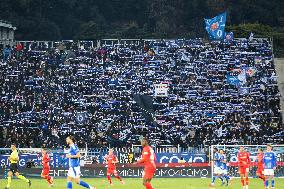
(47,93)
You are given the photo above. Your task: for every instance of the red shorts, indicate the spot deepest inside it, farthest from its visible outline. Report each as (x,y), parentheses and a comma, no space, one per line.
(243,170)
(260,170)
(45,171)
(149,173)
(111,171)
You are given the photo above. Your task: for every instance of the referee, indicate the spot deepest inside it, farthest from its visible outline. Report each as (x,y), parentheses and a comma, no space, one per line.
(14,158)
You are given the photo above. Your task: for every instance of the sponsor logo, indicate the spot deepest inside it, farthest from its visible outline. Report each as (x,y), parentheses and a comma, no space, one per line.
(177,157)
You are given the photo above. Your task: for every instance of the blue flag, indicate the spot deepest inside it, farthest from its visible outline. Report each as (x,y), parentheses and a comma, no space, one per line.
(216,26)
(233,80)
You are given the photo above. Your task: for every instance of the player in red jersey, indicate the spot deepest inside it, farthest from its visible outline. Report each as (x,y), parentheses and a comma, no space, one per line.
(260,166)
(149,160)
(244,165)
(46,167)
(111,160)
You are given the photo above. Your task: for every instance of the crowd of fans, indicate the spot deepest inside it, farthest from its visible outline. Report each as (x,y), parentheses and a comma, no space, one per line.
(49,92)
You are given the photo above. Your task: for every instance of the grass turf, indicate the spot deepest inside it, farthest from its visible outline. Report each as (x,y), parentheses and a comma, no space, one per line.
(158,183)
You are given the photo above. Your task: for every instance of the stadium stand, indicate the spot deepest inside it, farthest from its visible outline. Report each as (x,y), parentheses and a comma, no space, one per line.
(105,96)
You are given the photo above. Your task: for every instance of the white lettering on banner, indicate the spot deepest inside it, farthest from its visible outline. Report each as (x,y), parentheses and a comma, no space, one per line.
(196,172)
(5,162)
(174,157)
(172,172)
(22,162)
(204,173)
(219,33)
(182,173)
(189,173)
(163,172)
(202,160)
(162,158)
(131,172)
(59,173)
(166,159)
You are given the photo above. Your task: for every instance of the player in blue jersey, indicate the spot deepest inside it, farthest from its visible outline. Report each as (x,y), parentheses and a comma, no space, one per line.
(224,166)
(217,170)
(74,165)
(270,163)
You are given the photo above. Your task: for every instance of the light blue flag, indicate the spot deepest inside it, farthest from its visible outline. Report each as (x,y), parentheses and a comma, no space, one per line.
(216,26)
(233,80)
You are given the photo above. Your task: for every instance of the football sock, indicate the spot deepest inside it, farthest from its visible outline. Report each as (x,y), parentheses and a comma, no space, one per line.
(118,177)
(109,179)
(148,186)
(9,182)
(272,183)
(267,183)
(82,183)
(262,177)
(213,179)
(243,182)
(23,178)
(221,178)
(227,178)
(69,185)
(48,179)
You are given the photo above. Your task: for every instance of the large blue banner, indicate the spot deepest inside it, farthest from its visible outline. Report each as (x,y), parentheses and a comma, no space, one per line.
(59,159)
(23,159)
(216,26)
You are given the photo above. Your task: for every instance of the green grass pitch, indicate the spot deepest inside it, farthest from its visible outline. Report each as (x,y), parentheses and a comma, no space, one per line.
(158,183)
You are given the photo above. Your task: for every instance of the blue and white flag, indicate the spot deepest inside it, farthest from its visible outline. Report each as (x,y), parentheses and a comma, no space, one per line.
(233,80)
(242,76)
(244,90)
(216,26)
(251,36)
